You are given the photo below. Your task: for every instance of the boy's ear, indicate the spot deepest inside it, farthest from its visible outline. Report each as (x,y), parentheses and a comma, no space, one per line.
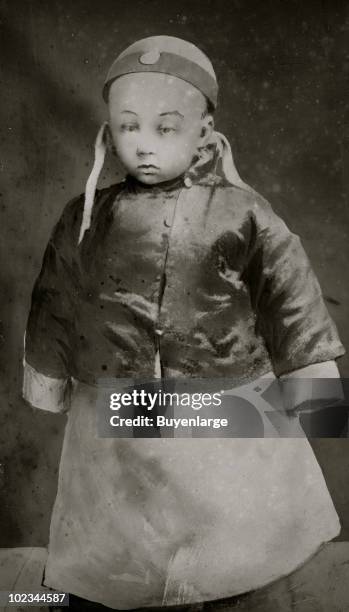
(109,138)
(206,129)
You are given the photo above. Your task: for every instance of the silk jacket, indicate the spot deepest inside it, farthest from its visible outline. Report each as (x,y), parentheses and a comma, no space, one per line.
(209,274)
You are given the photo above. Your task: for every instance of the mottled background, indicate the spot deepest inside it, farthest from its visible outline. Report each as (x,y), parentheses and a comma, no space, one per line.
(281,66)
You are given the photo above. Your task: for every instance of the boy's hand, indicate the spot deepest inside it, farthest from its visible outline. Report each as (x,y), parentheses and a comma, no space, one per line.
(314,395)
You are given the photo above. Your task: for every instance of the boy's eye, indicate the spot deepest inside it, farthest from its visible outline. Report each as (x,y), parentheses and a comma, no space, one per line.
(166,129)
(129,127)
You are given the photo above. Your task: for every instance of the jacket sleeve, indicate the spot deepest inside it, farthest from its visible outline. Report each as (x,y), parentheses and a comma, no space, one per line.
(50,327)
(286,296)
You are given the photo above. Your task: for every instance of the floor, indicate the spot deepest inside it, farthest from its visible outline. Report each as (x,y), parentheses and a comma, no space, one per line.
(321,585)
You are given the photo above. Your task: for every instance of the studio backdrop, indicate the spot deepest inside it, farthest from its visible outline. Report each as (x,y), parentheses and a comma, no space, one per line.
(282,71)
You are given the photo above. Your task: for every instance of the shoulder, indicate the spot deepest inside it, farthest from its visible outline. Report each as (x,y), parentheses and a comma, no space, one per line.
(246,210)
(256,207)
(68,226)
(244,197)
(73,210)
(242,202)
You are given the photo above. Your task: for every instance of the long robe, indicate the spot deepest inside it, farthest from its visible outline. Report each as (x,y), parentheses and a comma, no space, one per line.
(213,282)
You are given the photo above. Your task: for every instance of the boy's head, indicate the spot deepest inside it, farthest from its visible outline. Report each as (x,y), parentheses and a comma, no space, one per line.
(161,93)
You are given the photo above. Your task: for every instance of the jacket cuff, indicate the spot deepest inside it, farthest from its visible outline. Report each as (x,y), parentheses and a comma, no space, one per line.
(44,392)
(317,383)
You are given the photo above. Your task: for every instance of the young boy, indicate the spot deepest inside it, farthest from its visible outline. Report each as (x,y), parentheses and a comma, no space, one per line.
(181,270)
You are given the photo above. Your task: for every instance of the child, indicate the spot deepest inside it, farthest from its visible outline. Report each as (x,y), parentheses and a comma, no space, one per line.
(183,268)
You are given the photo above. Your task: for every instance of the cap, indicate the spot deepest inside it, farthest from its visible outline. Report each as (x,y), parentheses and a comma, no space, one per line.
(167,55)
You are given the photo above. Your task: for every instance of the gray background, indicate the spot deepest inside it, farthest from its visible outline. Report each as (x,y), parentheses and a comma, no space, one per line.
(281,67)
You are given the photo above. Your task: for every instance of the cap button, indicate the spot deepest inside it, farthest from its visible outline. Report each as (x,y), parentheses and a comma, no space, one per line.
(150,57)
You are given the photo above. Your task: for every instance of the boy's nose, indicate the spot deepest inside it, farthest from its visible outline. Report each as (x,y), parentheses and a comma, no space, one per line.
(142,152)
(145,149)
(145,146)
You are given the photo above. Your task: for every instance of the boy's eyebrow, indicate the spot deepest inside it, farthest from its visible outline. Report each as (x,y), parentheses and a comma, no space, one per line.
(129,111)
(175,112)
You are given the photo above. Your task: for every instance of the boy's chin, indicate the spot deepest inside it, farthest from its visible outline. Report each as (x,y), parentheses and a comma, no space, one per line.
(148,179)
(152,178)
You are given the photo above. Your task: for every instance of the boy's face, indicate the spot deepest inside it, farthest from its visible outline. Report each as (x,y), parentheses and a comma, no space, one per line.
(157,123)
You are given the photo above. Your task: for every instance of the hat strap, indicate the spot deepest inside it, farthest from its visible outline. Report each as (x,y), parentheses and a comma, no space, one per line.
(228,166)
(91,185)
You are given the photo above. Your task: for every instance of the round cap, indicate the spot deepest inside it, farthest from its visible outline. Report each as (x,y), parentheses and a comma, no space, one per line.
(168,55)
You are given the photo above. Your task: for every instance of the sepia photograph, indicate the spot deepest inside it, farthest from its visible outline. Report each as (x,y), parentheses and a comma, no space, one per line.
(174,183)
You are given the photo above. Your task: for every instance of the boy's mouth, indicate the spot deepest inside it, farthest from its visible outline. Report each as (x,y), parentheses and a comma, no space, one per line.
(148,168)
